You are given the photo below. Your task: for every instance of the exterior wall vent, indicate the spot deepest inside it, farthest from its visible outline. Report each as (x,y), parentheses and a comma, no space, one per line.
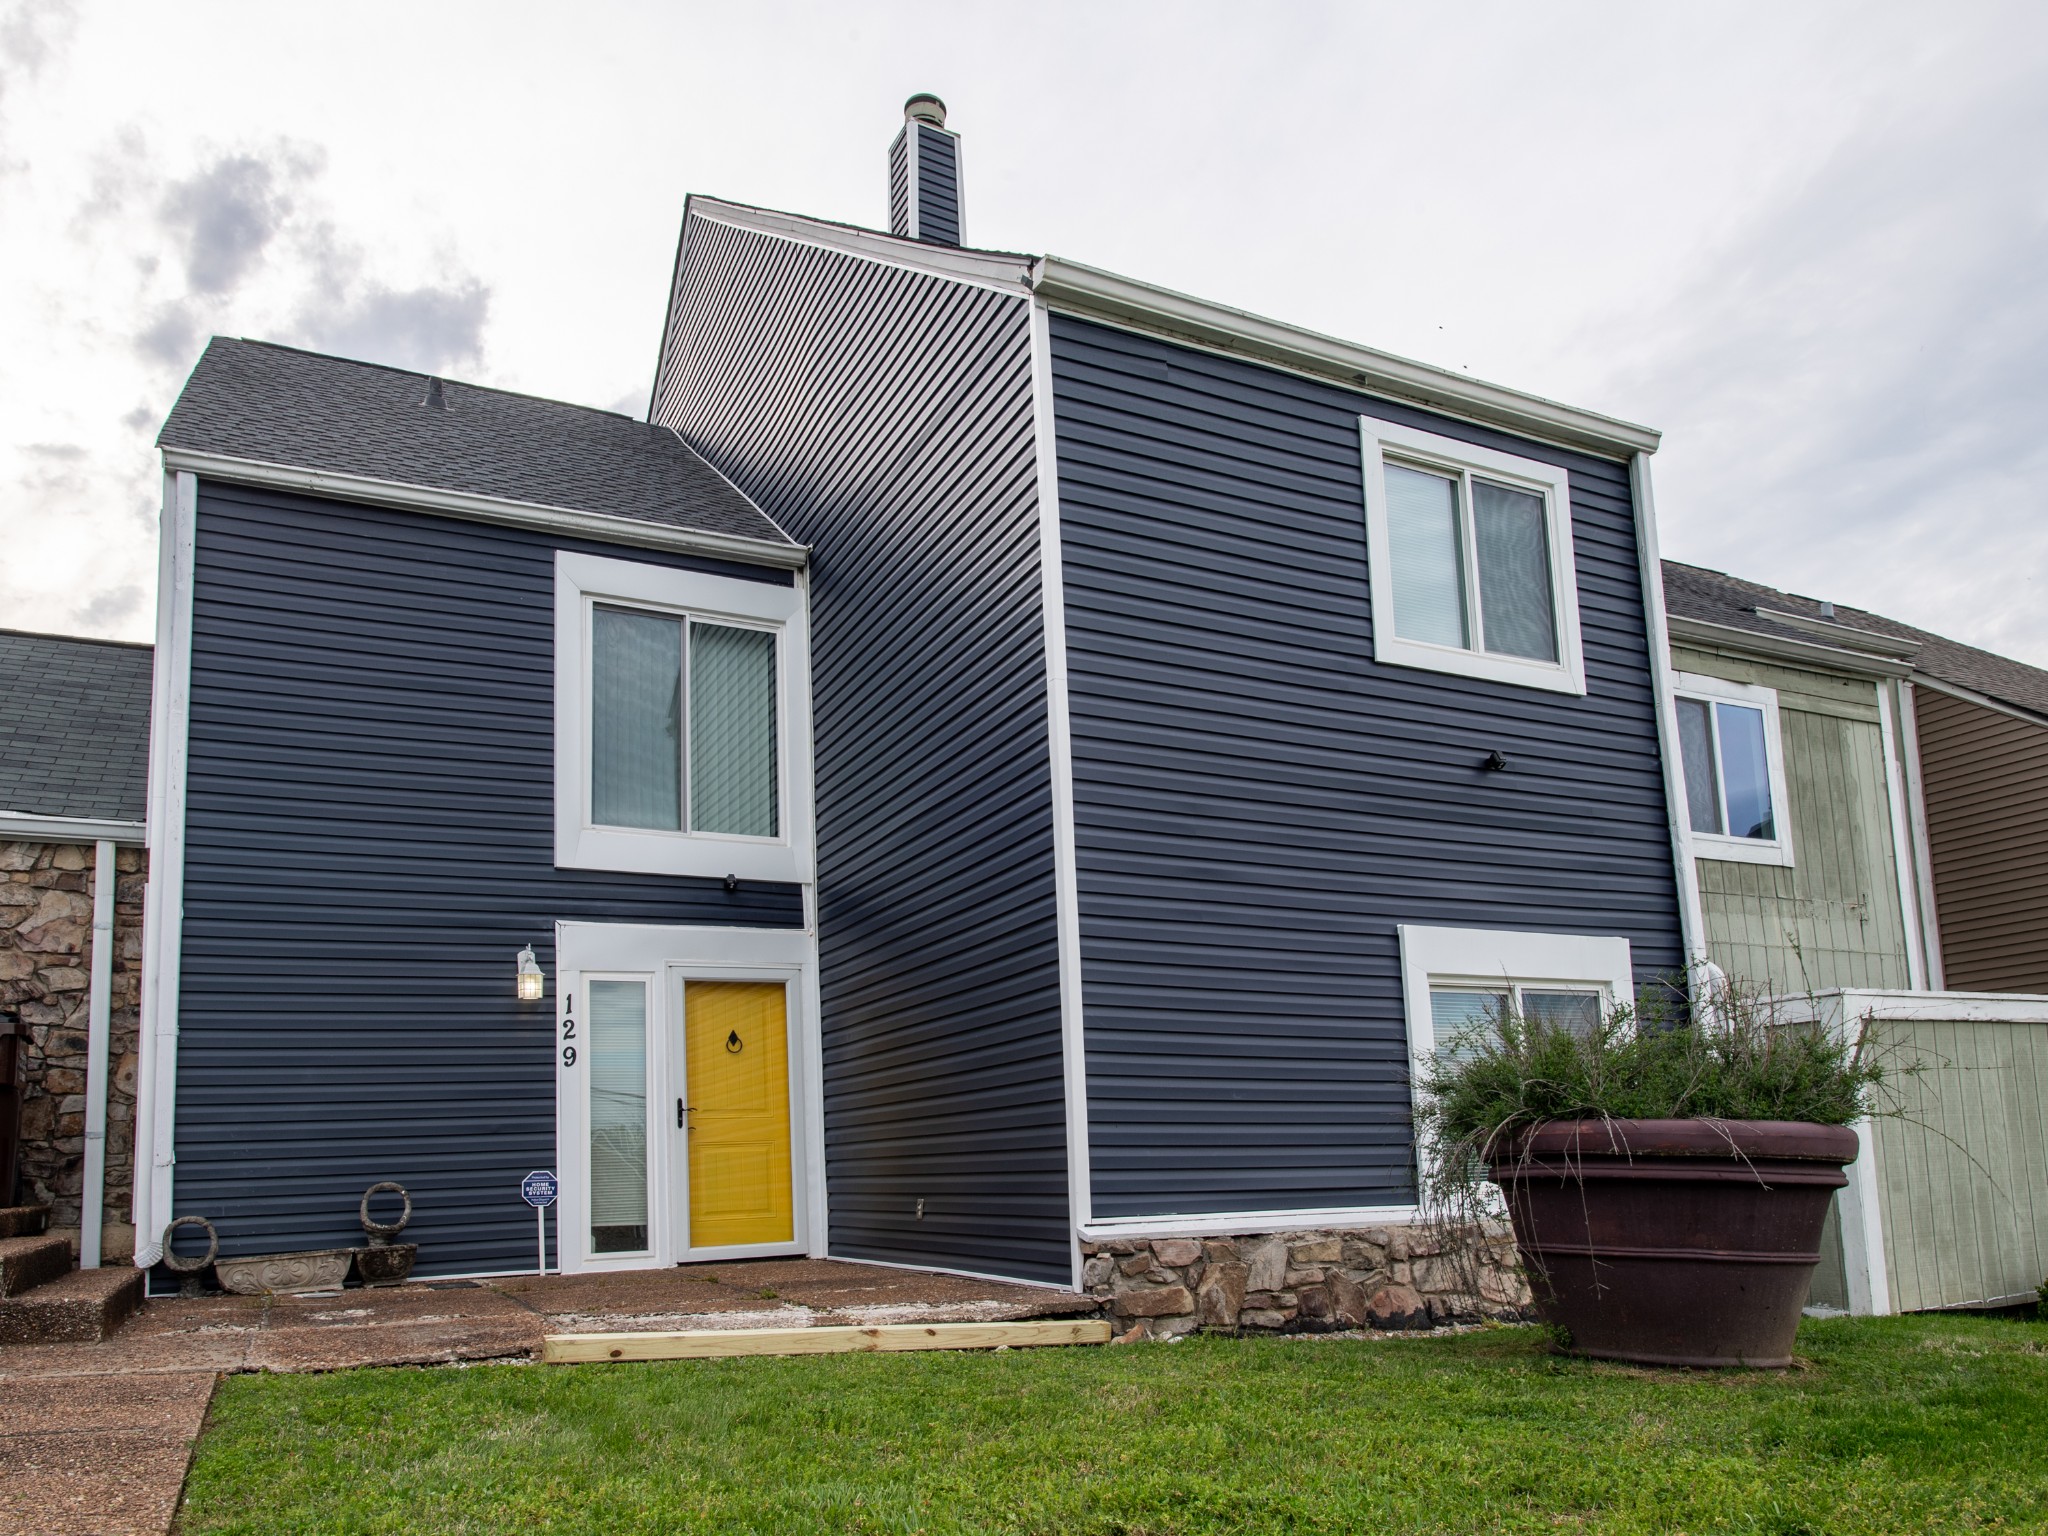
(924,175)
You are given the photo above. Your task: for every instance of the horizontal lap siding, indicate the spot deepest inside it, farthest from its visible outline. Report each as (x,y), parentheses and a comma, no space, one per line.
(1985,779)
(884,417)
(938,187)
(1259,803)
(369,841)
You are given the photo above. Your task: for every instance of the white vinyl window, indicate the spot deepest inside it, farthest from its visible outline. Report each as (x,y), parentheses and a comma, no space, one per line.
(679,700)
(1469,557)
(1734,766)
(1454,981)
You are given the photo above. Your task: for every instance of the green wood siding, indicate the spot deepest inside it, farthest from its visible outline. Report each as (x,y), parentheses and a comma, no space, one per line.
(1832,919)
(1962,1167)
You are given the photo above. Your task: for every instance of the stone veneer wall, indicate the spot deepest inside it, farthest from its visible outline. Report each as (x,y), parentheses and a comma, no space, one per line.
(1306,1282)
(45,980)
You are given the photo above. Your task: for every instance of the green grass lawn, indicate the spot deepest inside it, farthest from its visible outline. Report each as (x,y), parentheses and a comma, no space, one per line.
(1901,1424)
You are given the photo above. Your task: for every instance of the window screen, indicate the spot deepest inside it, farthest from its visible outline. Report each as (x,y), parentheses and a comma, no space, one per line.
(1429,565)
(636,720)
(1696,749)
(1578,1012)
(732,731)
(1515,602)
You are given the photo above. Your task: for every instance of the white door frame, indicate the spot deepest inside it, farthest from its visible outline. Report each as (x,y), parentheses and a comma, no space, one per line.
(665,955)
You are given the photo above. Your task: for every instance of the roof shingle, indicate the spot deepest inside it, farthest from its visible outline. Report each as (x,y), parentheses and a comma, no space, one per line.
(277,405)
(74,726)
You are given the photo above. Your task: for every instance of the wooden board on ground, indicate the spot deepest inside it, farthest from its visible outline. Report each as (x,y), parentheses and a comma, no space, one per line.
(712,1343)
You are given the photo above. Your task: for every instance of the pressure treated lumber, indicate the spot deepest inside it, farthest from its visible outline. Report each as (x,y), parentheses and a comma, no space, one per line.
(715,1343)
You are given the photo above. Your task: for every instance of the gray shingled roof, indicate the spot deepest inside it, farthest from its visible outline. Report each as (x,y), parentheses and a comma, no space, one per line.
(1693,592)
(278,405)
(74,726)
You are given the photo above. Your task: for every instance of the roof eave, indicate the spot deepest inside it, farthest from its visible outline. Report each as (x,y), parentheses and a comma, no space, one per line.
(1780,648)
(485,509)
(1094,294)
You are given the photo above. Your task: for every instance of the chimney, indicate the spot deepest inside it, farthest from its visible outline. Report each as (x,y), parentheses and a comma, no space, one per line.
(924,175)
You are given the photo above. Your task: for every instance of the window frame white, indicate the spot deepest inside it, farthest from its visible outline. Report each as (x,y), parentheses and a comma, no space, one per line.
(1721,845)
(1501,959)
(583,583)
(1380,441)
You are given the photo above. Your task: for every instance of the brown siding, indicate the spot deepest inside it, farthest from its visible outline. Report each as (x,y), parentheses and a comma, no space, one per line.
(1986,783)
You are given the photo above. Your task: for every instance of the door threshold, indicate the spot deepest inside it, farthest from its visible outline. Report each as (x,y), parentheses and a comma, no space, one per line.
(721,1343)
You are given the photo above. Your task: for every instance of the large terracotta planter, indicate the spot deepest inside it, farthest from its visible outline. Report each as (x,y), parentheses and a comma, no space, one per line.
(1673,1242)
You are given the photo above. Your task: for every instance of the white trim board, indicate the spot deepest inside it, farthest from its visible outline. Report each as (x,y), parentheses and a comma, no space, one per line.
(163,922)
(565,521)
(1249,1223)
(27,827)
(1650,562)
(1903,886)
(1059,728)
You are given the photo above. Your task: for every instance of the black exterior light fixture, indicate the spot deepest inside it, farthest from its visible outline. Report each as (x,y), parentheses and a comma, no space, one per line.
(1496,761)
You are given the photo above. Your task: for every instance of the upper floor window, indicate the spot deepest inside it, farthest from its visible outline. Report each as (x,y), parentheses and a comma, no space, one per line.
(1470,559)
(1734,770)
(678,703)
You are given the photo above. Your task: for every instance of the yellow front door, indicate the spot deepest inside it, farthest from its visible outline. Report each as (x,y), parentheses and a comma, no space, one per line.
(736,1057)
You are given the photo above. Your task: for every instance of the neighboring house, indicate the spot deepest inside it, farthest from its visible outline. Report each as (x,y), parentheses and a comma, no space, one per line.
(1867,803)
(74,750)
(1009,758)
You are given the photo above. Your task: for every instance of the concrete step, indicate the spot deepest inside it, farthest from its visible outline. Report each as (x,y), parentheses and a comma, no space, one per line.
(81,1307)
(23,1220)
(26,1262)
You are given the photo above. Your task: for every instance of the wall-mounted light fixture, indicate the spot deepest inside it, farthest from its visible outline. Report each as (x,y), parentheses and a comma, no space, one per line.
(531,981)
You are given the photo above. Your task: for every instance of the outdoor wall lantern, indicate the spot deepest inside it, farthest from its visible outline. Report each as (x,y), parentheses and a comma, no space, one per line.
(530,979)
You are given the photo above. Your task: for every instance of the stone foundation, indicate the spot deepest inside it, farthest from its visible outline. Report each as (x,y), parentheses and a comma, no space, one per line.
(1306,1282)
(45,979)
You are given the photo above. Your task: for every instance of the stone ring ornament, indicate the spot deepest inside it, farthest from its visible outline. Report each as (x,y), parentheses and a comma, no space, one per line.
(380,1231)
(179,1266)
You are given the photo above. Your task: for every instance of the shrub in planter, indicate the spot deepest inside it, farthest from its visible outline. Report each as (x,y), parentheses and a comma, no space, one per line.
(1667,1178)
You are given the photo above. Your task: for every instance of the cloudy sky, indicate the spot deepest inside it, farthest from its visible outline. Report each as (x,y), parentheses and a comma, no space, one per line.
(1809,242)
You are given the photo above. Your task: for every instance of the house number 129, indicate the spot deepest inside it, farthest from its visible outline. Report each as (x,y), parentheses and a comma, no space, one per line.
(568,1035)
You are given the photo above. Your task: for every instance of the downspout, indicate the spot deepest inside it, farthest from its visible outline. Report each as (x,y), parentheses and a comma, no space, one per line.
(1902,853)
(1692,928)
(1923,853)
(99,1029)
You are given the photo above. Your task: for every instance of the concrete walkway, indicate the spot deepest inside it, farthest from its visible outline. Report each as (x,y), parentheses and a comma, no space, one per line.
(95,1438)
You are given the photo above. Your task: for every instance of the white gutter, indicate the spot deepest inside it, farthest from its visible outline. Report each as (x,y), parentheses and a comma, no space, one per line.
(99,1028)
(366,491)
(1095,294)
(27,827)
(1923,852)
(1692,927)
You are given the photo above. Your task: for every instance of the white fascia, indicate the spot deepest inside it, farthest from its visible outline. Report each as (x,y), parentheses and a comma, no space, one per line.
(1093,294)
(563,521)
(164,895)
(1060,741)
(1249,1223)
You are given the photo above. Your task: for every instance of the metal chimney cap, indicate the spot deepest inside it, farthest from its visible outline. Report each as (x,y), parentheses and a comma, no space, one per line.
(924,107)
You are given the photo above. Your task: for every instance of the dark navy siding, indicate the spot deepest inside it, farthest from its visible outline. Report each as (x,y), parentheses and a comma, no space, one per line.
(884,417)
(938,186)
(1260,803)
(369,841)
(899,184)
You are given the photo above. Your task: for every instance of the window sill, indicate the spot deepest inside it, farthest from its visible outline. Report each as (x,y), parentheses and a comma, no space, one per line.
(677,853)
(1740,850)
(1391,650)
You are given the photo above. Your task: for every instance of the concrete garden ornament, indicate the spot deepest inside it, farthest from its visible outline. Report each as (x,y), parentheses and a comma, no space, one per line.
(1667,1179)
(310,1272)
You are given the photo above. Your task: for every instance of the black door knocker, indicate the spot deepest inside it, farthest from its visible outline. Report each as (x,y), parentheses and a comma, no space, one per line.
(732,1042)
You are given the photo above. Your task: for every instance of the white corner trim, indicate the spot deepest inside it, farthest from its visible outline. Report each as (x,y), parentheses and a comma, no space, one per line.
(1902,846)
(1650,559)
(164,896)
(1745,850)
(1094,294)
(1249,1223)
(804,773)
(1499,957)
(1059,729)
(581,581)
(1923,852)
(565,521)
(27,827)
(1000,271)
(99,1031)
(1377,439)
